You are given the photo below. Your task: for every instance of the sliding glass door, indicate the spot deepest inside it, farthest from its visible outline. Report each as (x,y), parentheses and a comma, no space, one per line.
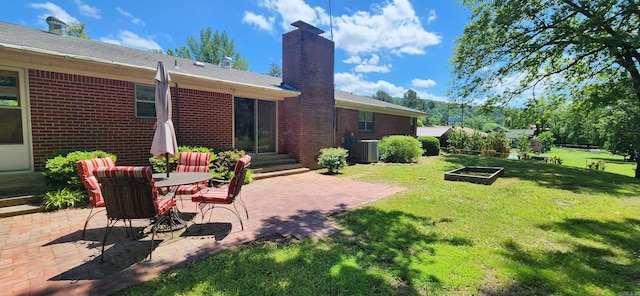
(255,125)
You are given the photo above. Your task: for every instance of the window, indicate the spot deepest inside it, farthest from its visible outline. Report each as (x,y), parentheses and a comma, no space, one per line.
(412,124)
(9,89)
(365,121)
(145,101)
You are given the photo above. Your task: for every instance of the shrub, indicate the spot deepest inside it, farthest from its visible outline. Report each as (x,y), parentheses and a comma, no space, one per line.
(430,145)
(64,198)
(401,149)
(458,139)
(224,163)
(596,165)
(60,168)
(333,159)
(475,141)
(496,142)
(523,146)
(555,160)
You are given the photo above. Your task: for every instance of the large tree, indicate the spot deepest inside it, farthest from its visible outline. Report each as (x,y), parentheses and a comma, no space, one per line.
(561,46)
(211,48)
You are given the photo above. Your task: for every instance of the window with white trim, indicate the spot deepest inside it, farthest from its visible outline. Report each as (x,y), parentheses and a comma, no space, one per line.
(145,101)
(365,121)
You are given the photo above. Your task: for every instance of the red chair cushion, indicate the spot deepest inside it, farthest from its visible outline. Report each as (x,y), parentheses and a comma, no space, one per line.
(164,205)
(188,189)
(193,162)
(211,195)
(85,171)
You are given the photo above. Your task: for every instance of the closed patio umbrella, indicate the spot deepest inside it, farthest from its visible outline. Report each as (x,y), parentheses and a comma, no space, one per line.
(164,140)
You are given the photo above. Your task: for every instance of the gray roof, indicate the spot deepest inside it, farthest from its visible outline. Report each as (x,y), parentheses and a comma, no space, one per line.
(513,134)
(35,40)
(349,97)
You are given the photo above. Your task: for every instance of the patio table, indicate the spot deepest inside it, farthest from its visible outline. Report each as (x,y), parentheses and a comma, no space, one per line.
(172,182)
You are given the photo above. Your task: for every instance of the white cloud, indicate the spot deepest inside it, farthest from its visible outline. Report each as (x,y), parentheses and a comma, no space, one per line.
(394,28)
(294,10)
(356,84)
(432,16)
(353,60)
(130,39)
(87,10)
(372,65)
(134,19)
(53,10)
(425,83)
(259,21)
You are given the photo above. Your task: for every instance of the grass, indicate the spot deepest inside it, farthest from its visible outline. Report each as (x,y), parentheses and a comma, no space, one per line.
(580,158)
(540,229)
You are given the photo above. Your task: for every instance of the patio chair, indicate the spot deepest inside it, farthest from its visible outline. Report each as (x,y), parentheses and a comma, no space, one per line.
(130,193)
(192,162)
(85,171)
(211,197)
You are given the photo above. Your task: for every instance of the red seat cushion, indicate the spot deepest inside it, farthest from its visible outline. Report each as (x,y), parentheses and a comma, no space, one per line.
(165,205)
(188,189)
(211,195)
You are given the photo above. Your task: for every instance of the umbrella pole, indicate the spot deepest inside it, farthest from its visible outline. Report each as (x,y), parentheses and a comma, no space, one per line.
(166,158)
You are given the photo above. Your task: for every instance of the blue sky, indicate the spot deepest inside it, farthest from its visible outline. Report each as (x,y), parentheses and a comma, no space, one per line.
(380,45)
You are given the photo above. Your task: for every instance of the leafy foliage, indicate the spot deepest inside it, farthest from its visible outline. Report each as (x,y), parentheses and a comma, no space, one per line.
(77,29)
(587,48)
(430,145)
(333,159)
(61,171)
(523,146)
(64,198)
(496,142)
(401,149)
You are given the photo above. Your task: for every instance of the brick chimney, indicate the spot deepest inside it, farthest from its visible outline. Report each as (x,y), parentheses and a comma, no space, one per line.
(307,121)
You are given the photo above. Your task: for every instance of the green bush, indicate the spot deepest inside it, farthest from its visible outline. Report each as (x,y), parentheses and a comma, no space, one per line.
(430,145)
(333,159)
(224,163)
(555,160)
(64,198)
(458,140)
(60,168)
(496,142)
(401,149)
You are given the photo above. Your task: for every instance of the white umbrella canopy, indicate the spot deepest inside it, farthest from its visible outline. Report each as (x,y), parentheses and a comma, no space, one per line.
(164,140)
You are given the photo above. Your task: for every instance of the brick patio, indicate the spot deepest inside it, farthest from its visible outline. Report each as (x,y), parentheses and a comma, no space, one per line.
(45,253)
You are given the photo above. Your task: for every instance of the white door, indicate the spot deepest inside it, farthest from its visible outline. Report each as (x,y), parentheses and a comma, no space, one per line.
(15,152)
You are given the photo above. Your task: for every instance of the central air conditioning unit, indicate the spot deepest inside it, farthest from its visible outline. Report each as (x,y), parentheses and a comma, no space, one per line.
(367,151)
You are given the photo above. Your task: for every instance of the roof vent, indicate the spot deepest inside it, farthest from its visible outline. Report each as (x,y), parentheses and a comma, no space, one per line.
(226,63)
(56,25)
(198,63)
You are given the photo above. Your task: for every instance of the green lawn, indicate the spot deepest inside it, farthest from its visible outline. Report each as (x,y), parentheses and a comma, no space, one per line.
(541,229)
(580,158)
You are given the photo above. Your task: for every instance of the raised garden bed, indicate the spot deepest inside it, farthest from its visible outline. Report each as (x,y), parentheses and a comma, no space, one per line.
(475,174)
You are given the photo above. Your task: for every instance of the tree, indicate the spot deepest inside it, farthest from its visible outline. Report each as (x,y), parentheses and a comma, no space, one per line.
(410,99)
(77,29)
(275,70)
(181,51)
(563,46)
(383,96)
(211,48)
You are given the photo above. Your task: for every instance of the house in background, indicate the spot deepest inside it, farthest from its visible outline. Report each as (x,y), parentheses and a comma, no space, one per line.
(65,93)
(442,133)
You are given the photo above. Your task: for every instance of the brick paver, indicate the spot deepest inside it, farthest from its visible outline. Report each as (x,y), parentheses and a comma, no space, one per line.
(45,253)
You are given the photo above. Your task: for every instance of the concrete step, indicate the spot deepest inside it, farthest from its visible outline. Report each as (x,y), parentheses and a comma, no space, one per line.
(19,210)
(275,167)
(258,176)
(19,200)
(22,184)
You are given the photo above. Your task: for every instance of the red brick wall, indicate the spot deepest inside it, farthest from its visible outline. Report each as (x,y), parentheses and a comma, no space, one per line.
(81,112)
(308,65)
(383,125)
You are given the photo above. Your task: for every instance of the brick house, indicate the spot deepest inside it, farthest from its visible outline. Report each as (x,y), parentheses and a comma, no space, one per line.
(61,92)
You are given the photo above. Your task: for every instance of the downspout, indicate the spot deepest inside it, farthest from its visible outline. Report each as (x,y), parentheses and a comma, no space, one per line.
(177,123)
